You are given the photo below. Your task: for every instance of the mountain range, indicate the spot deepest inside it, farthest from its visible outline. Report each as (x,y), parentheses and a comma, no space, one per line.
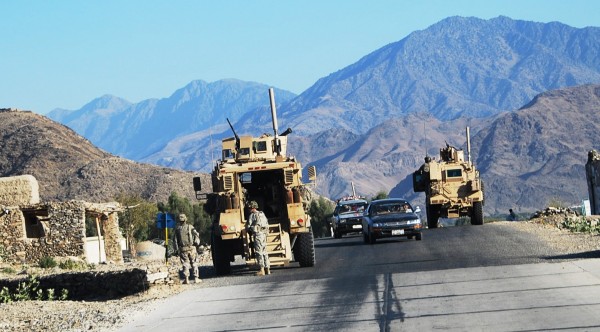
(373,121)
(137,130)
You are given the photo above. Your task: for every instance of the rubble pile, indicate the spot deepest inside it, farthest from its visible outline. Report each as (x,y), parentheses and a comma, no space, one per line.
(568,219)
(554,211)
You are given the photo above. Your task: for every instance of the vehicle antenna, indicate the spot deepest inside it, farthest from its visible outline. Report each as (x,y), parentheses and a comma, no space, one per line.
(425,134)
(212,152)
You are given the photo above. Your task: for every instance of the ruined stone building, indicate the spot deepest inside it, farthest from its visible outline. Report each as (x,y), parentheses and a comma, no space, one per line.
(30,229)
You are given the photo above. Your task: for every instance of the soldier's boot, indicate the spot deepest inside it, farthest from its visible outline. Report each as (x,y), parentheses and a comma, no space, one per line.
(267,270)
(261,272)
(187,280)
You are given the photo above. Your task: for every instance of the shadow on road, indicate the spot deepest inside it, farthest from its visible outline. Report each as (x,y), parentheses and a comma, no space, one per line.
(579,255)
(337,243)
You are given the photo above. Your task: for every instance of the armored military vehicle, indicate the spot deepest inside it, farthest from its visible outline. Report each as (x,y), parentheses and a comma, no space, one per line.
(257,169)
(452,186)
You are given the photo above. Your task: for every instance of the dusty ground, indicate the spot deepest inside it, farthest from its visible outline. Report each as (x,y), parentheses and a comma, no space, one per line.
(109,315)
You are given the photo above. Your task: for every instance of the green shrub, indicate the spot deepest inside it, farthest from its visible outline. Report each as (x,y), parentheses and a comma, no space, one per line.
(8,270)
(47,262)
(72,265)
(581,225)
(30,290)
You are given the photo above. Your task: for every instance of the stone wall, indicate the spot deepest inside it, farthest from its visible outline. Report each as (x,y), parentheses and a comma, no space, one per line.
(31,232)
(91,285)
(19,190)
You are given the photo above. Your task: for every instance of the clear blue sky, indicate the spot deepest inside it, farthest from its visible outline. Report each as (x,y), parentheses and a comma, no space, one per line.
(66,53)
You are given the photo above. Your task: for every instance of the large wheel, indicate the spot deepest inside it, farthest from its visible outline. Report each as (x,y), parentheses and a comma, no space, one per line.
(220,255)
(304,249)
(433,214)
(477,214)
(337,234)
(372,237)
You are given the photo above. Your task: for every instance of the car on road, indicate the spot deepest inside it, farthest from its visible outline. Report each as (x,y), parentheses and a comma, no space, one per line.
(347,216)
(391,217)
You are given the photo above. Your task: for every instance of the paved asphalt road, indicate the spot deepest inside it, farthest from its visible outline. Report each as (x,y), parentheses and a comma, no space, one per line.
(470,278)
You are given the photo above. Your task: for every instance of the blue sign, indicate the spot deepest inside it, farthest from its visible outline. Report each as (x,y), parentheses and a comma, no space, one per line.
(161,218)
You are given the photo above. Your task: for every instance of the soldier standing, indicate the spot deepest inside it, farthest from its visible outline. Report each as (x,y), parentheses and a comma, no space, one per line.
(258,226)
(512,216)
(186,240)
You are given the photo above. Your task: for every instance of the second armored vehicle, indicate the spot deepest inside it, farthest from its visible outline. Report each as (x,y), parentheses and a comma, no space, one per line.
(452,186)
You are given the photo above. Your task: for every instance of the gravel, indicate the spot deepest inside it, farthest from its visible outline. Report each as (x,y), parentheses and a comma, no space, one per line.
(112,314)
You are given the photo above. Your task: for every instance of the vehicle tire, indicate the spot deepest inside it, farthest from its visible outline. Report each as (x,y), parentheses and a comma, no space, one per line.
(220,255)
(337,234)
(409,237)
(477,214)
(372,237)
(433,214)
(304,249)
(418,237)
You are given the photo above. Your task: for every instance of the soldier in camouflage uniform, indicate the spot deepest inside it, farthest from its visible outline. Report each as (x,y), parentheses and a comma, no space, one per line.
(258,226)
(186,240)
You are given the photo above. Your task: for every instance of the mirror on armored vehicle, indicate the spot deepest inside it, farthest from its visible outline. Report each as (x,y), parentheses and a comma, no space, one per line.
(197,184)
(312,173)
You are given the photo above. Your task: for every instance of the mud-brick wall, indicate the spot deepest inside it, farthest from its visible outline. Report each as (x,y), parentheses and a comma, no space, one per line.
(19,190)
(63,232)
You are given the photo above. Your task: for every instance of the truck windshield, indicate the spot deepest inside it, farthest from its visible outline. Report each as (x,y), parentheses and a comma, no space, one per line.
(353,207)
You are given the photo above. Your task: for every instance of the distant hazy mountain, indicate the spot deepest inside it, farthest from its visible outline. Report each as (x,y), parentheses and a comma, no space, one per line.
(137,130)
(536,155)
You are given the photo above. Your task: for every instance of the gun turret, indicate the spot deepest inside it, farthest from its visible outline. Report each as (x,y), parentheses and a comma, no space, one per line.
(237,138)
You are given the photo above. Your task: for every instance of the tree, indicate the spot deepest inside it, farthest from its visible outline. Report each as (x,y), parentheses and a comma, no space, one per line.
(195,213)
(137,221)
(178,204)
(202,222)
(380,195)
(320,212)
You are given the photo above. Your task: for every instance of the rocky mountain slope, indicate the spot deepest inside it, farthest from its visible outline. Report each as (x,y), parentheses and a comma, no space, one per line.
(372,121)
(457,67)
(67,166)
(537,154)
